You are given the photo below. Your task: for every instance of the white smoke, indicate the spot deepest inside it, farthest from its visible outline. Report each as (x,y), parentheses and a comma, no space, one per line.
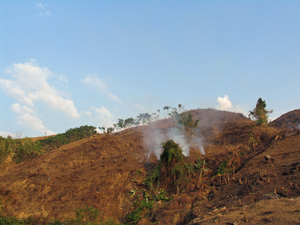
(153,139)
(198,143)
(177,136)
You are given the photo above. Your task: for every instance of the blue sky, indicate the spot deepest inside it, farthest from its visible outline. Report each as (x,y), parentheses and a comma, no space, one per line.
(64,64)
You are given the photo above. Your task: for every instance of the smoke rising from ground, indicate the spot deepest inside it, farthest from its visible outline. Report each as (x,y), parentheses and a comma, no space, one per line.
(154,137)
(178,137)
(152,141)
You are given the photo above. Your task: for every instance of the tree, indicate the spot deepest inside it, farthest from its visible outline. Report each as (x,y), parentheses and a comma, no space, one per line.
(188,124)
(260,113)
(110,130)
(173,172)
(121,123)
(102,128)
(143,117)
(129,122)
(173,112)
(167,108)
(179,107)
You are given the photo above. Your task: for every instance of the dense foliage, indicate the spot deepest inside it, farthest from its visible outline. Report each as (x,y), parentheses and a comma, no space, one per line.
(19,150)
(260,113)
(5,149)
(71,135)
(173,173)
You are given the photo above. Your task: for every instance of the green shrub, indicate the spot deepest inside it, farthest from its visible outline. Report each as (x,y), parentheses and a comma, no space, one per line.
(223,168)
(260,113)
(5,149)
(87,215)
(172,172)
(25,150)
(146,203)
(71,135)
(20,149)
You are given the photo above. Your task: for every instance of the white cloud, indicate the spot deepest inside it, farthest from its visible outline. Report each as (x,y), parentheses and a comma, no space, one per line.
(49,132)
(61,78)
(32,122)
(30,84)
(93,81)
(140,107)
(224,103)
(17,108)
(5,134)
(103,116)
(88,113)
(103,111)
(100,116)
(40,5)
(14,90)
(44,12)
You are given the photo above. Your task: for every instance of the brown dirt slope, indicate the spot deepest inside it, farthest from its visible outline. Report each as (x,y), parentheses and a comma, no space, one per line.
(102,170)
(290,120)
(260,178)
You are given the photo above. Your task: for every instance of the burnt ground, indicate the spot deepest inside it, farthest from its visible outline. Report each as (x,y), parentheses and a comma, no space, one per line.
(100,171)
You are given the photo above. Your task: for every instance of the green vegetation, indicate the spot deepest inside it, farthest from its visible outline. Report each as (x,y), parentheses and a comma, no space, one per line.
(172,169)
(5,148)
(142,118)
(26,150)
(173,175)
(145,200)
(223,169)
(253,142)
(71,135)
(87,215)
(260,113)
(187,124)
(20,150)
(140,205)
(15,221)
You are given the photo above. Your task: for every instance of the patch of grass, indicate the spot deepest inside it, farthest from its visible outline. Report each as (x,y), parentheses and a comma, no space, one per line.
(172,175)
(84,216)
(146,203)
(71,135)
(138,172)
(20,149)
(27,150)
(253,142)
(223,168)
(5,148)
(87,214)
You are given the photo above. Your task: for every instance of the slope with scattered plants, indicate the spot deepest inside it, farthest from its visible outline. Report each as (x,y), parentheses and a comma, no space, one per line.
(109,179)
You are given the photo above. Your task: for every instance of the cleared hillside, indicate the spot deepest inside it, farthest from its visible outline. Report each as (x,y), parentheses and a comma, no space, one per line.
(102,171)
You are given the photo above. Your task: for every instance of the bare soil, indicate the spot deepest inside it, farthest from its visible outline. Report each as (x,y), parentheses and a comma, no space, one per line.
(100,171)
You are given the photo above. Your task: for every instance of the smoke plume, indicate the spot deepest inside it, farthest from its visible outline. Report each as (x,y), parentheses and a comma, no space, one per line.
(154,137)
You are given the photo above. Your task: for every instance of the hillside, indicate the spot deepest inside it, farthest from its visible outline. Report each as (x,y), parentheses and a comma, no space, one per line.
(289,120)
(101,171)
